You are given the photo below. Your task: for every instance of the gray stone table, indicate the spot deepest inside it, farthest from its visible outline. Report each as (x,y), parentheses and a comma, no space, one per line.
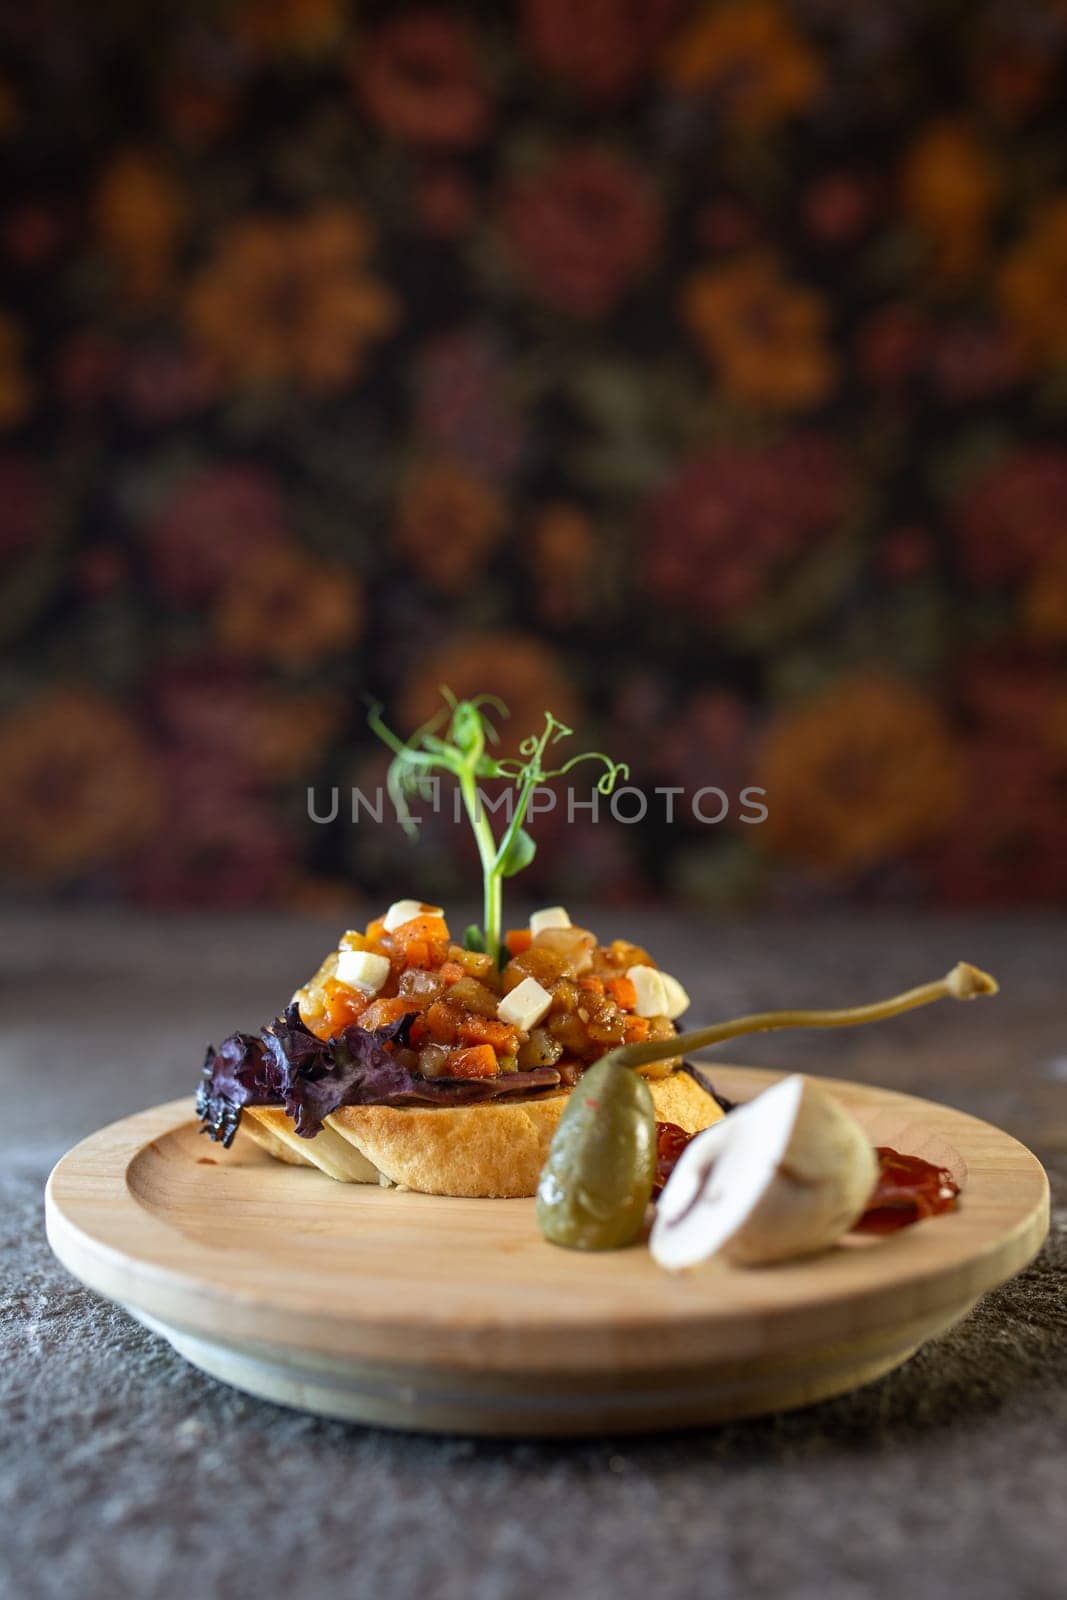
(125,1472)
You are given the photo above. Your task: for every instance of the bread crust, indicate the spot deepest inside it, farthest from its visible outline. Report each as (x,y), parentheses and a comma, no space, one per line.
(490,1151)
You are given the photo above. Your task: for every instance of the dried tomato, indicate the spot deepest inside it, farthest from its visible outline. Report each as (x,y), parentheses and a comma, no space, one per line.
(908,1189)
(671,1140)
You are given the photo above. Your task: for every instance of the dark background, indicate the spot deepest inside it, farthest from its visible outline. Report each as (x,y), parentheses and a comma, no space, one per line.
(698,372)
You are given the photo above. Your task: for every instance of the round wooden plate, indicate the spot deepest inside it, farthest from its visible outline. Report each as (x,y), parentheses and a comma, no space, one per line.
(419,1312)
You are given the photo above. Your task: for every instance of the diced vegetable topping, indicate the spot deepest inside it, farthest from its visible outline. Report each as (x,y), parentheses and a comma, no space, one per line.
(561,1000)
(478,1061)
(622,991)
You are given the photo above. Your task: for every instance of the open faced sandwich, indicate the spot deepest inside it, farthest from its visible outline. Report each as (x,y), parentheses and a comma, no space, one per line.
(543,1062)
(411,1060)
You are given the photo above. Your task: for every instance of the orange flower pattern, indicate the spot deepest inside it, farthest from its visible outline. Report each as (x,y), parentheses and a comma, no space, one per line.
(286,608)
(1031,283)
(140,211)
(291,301)
(861,773)
(447,523)
(949,188)
(765,338)
(750,58)
(16,386)
(81,789)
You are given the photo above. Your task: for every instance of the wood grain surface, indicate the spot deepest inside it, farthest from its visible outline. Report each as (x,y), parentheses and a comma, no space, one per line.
(422,1312)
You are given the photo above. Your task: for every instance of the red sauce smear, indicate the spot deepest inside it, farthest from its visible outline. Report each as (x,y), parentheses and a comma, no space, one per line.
(671,1140)
(908,1189)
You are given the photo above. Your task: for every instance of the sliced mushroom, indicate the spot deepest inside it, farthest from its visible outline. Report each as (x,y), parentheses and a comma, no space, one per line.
(783,1176)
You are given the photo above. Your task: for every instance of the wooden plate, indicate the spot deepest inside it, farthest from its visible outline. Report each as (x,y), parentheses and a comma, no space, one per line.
(454,1315)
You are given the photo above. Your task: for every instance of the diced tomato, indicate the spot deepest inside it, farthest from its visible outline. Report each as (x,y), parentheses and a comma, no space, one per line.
(591,985)
(671,1140)
(637,1029)
(451,972)
(518,940)
(379,1013)
(477,1061)
(623,993)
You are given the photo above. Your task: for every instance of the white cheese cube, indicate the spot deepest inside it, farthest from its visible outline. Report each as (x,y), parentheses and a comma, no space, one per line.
(525,1005)
(677,999)
(360,969)
(403,910)
(651,991)
(550,917)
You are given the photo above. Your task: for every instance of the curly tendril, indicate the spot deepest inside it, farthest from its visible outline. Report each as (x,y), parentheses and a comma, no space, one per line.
(454,740)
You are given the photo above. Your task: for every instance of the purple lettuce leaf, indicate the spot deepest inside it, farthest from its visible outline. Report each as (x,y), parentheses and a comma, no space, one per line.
(289,1066)
(353,1068)
(232,1077)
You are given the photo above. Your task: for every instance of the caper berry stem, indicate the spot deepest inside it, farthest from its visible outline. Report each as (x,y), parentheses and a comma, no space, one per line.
(964,982)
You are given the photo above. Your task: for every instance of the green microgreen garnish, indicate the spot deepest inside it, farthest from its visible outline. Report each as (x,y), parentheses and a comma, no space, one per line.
(457,740)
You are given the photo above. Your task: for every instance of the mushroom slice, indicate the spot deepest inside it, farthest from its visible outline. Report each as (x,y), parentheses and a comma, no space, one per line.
(783,1176)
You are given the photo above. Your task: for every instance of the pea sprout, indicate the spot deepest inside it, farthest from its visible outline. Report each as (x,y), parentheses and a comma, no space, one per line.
(457,739)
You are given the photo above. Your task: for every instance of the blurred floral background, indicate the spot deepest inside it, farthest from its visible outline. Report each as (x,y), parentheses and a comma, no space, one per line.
(698,371)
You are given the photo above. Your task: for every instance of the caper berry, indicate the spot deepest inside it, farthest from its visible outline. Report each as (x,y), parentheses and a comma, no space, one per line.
(598,1178)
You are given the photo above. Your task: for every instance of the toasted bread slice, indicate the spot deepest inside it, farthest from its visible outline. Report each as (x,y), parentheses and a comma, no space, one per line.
(495,1150)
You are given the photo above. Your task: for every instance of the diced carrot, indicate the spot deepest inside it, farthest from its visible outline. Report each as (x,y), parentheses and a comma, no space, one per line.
(420,929)
(477,1061)
(417,953)
(446,1024)
(451,972)
(623,993)
(636,1030)
(441,1023)
(381,1012)
(518,940)
(591,985)
(376,930)
(343,1007)
(473,1029)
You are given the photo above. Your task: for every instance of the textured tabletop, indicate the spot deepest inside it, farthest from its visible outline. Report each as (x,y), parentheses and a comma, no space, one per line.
(123,1471)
